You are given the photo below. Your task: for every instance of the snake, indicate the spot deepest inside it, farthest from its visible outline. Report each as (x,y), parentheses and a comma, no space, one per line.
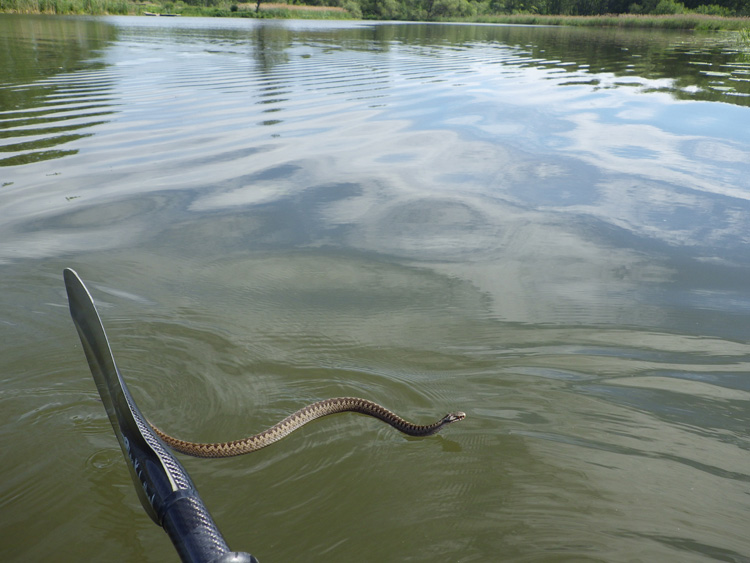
(298,419)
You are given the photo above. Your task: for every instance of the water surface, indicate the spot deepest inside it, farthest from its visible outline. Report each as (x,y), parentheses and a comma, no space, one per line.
(544,227)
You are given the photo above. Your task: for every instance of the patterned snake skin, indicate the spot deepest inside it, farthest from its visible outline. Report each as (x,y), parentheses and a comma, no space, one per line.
(299,419)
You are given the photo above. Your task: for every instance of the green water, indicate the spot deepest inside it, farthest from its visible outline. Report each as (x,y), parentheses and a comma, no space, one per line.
(546,228)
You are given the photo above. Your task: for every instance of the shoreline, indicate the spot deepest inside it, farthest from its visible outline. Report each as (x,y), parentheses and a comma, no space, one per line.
(698,22)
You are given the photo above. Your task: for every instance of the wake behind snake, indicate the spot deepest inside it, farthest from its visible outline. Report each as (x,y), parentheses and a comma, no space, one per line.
(299,419)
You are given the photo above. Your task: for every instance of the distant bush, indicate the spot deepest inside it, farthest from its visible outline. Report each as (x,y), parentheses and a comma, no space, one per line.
(669,7)
(714,10)
(353,8)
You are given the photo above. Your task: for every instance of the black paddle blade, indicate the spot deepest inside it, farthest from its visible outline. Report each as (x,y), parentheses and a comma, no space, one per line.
(121,409)
(164,488)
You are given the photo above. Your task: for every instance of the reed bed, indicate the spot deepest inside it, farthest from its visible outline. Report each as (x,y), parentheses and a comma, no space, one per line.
(93,7)
(125,7)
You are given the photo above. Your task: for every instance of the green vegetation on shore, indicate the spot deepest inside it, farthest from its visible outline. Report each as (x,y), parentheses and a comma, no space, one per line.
(201,8)
(683,21)
(670,14)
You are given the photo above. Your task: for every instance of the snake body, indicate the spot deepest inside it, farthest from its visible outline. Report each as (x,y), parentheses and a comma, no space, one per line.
(299,419)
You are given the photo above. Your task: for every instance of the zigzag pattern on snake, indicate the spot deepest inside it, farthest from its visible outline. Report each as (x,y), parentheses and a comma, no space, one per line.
(299,419)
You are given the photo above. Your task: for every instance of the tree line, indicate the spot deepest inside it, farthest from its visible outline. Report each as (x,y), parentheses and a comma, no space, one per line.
(438,9)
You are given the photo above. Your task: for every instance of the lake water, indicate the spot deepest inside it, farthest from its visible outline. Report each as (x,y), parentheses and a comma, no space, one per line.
(547,228)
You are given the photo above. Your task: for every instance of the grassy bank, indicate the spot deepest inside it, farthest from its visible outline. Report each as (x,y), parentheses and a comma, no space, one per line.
(677,21)
(267,10)
(80,7)
(225,8)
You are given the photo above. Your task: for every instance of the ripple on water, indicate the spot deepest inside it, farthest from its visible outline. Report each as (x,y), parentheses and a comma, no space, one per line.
(67,108)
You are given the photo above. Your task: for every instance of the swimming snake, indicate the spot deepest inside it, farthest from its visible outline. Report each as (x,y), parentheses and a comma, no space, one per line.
(299,419)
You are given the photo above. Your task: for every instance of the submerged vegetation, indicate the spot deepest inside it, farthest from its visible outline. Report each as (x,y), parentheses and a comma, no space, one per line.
(692,14)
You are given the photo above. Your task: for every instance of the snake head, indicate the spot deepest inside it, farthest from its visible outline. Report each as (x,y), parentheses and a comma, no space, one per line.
(453,417)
